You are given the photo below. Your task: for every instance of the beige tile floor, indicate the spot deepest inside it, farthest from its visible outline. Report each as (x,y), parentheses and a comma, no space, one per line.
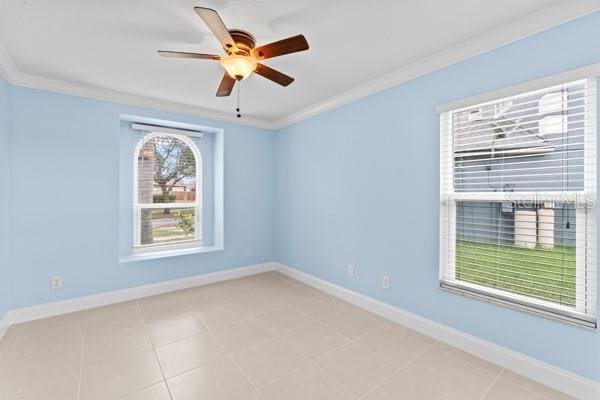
(264,337)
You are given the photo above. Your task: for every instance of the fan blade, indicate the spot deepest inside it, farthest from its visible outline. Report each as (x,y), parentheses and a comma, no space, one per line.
(282,47)
(182,54)
(214,22)
(226,86)
(273,75)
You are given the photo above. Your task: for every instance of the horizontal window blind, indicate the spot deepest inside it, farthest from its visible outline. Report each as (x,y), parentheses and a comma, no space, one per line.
(518,194)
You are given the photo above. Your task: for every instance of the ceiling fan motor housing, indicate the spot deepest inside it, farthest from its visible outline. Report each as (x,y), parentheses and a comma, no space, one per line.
(245,41)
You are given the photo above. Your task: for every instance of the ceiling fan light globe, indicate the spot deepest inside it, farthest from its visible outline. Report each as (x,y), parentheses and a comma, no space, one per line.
(238,67)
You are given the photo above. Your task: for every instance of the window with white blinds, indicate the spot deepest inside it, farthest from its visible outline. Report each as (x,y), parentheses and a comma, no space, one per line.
(518,195)
(167,192)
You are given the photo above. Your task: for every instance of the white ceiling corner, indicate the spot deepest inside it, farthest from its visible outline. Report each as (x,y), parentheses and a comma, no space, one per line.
(97,49)
(8,69)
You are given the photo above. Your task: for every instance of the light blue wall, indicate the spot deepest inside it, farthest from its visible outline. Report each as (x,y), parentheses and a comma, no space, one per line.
(360,185)
(64,216)
(4,197)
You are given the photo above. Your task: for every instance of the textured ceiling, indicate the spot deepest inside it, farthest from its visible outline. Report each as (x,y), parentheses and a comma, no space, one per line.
(112,43)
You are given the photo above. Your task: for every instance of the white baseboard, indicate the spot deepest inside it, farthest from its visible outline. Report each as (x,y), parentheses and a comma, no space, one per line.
(97,300)
(3,326)
(546,374)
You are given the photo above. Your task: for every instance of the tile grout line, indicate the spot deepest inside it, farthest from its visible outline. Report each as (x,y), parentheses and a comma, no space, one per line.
(4,361)
(528,389)
(12,348)
(85,333)
(355,341)
(496,379)
(308,360)
(258,390)
(313,362)
(418,378)
(463,360)
(162,372)
(140,352)
(9,358)
(319,321)
(350,342)
(227,353)
(415,358)
(398,370)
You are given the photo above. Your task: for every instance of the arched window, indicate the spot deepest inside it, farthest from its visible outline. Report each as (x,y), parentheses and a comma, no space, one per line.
(167,192)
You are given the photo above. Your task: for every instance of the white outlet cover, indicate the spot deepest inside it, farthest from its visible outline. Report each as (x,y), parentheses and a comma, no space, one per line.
(56,282)
(350,271)
(385,283)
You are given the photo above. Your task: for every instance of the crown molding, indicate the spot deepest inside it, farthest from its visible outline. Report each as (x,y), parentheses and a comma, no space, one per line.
(526,26)
(492,39)
(13,76)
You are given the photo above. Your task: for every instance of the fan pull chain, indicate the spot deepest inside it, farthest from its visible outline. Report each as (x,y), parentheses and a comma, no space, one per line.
(239,85)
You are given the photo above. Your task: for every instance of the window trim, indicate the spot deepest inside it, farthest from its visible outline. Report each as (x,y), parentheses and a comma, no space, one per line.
(447,214)
(519,302)
(196,242)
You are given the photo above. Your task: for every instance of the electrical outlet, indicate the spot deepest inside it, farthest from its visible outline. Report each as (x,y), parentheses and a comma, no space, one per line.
(246,252)
(385,283)
(350,271)
(56,282)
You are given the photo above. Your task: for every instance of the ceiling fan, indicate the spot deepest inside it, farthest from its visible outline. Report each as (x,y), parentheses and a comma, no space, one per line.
(242,56)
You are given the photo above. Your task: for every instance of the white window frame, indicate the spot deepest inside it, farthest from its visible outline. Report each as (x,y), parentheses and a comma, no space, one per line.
(584,312)
(139,248)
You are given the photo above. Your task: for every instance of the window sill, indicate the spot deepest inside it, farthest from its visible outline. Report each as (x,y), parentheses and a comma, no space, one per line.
(526,305)
(167,253)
